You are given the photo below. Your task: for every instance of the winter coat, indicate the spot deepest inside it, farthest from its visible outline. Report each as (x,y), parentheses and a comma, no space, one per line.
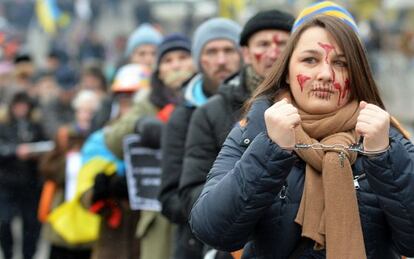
(172,145)
(16,173)
(209,127)
(254,189)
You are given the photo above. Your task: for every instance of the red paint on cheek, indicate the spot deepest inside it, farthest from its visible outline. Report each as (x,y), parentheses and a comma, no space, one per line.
(258,56)
(347,89)
(302,80)
(338,87)
(328,48)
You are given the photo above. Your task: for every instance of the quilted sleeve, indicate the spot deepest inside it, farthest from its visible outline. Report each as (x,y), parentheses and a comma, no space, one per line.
(391,177)
(240,187)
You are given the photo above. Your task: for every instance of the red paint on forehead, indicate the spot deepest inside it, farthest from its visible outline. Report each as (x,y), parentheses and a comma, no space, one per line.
(328,48)
(302,80)
(276,38)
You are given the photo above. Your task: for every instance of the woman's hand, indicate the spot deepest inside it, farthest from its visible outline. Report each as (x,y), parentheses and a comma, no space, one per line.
(281,118)
(374,124)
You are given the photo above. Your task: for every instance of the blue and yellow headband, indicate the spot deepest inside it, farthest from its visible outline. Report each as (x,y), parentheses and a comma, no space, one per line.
(327,8)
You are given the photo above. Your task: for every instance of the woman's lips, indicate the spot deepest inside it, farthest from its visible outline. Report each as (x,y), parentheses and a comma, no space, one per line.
(326,91)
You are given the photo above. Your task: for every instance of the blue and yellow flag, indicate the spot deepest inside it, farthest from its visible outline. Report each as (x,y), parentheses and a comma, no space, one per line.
(50,17)
(74,223)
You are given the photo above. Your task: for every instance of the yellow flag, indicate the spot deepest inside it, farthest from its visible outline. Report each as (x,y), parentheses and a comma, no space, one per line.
(231,8)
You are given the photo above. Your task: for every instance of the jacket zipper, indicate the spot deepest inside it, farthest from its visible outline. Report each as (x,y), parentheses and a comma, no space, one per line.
(283,192)
(356,180)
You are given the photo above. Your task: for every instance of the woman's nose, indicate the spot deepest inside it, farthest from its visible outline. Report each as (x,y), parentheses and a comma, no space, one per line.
(326,73)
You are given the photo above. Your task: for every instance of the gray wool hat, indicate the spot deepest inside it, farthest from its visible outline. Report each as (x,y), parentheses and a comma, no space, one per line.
(214,29)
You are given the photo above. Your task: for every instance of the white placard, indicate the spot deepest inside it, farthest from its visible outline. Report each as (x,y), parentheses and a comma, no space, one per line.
(143,173)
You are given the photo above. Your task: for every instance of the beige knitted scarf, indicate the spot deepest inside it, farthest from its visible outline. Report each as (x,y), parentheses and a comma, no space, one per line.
(328,211)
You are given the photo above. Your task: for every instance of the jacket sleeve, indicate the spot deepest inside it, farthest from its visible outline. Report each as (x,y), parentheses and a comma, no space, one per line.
(240,187)
(125,125)
(200,153)
(7,150)
(391,177)
(172,146)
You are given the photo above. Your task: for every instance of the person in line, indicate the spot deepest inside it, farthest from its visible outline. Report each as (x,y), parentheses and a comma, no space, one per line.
(150,110)
(141,47)
(216,54)
(263,39)
(289,182)
(108,194)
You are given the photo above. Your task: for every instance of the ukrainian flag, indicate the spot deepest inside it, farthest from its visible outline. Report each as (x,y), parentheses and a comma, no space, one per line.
(50,17)
(97,158)
(74,223)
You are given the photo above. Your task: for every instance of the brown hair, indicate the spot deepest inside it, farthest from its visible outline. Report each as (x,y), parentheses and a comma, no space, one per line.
(362,84)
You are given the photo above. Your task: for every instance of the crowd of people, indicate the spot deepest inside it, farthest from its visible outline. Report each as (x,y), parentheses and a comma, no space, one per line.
(271,139)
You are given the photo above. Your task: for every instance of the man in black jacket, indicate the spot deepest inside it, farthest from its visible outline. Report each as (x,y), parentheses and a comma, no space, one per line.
(216,54)
(262,39)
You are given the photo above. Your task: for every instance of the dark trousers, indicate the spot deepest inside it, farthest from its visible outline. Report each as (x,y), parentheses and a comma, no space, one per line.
(22,203)
(57,252)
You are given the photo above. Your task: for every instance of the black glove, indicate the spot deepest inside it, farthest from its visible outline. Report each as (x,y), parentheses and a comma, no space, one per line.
(101,187)
(150,130)
(118,187)
(109,186)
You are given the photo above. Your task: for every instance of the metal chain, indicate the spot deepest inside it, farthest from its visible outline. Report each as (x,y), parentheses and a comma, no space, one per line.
(356,147)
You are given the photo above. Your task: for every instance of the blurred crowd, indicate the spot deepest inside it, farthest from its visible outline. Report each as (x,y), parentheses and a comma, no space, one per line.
(181,92)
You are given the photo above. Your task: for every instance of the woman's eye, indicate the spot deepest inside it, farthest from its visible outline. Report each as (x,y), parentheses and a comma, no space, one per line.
(310,60)
(340,63)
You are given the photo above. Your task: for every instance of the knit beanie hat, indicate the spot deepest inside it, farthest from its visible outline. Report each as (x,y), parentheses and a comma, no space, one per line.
(264,20)
(214,29)
(173,41)
(326,8)
(144,34)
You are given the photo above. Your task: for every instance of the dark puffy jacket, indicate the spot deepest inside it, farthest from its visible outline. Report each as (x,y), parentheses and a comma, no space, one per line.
(209,127)
(172,146)
(254,190)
